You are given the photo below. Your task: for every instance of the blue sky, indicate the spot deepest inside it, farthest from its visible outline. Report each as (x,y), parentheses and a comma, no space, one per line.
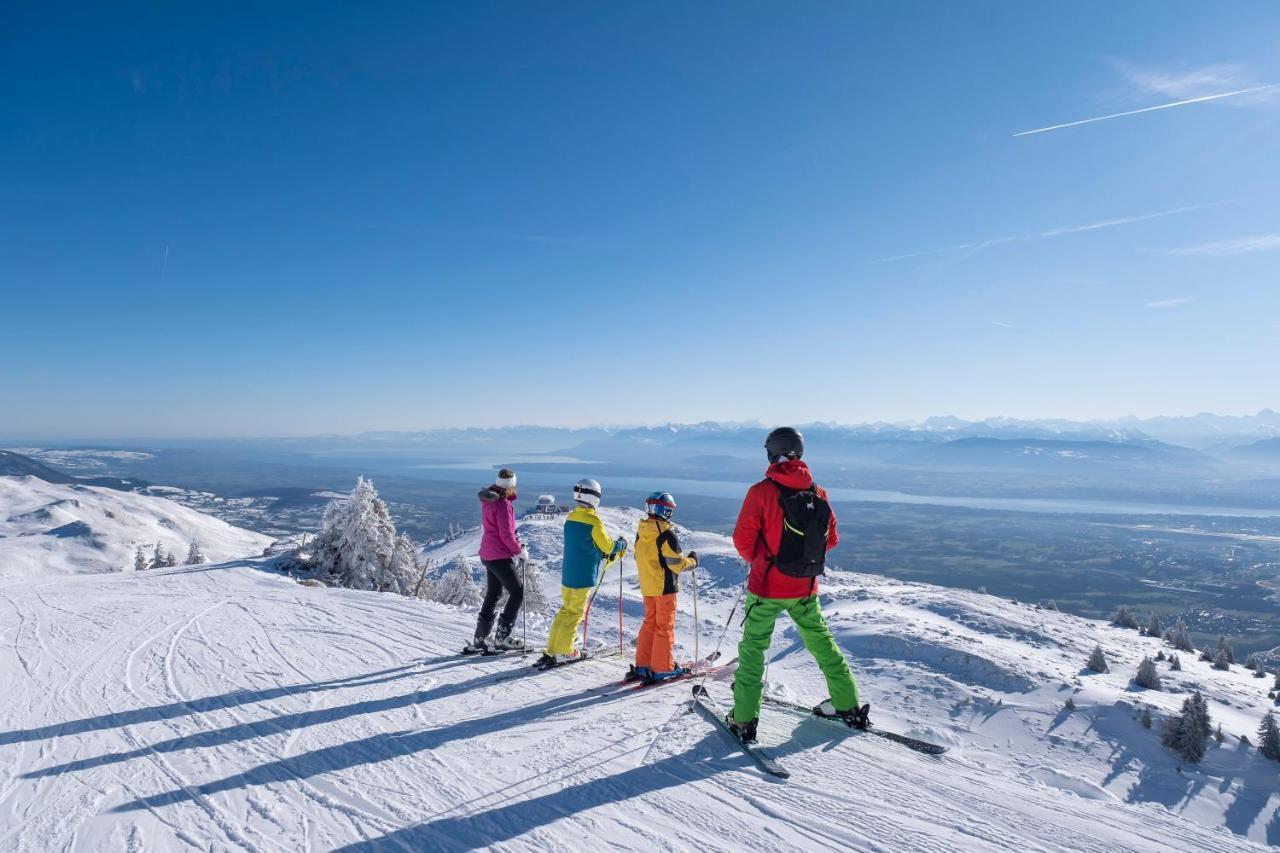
(248,221)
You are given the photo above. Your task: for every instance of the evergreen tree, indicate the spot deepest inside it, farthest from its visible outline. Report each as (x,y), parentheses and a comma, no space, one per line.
(458,586)
(1070,704)
(1251,662)
(1175,663)
(1124,618)
(1224,646)
(1098,660)
(1159,655)
(1206,656)
(140,563)
(1186,733)
(1147,676)
(160,560)
(1269,737)
(356,540)
(194,555)
(1181,639)
(1221,660)
(1276,686)
(535,599)
(1051,605)
(1145,718)
(404,569)
(1154,628)
(1218,735)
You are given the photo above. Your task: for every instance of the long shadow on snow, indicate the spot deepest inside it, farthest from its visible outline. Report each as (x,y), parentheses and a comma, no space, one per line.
(703,760)
(211,703)
(373,749)
(274,725)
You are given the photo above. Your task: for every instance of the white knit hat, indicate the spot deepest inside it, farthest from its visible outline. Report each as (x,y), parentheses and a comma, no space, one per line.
(506,479)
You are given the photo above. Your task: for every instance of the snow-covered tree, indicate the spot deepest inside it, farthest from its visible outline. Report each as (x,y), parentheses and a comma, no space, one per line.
(1098,660)
(1186,733)
(1154,628)
(140,562)
(161,559)
(1175,663)
(535,599)
(1276,686)
(1145,718)
(1051,605)
(404,569)
(1221,660)
(1181,639)
(1160,655)
(194,555)
(1218,734)
(458,586)
(1269,737)
(1224,646)
(1124,618)
(356,540)
(1147,676)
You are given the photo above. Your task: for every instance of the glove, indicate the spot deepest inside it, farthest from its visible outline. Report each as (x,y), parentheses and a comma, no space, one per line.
(523,556)
(619,547)
(693,555)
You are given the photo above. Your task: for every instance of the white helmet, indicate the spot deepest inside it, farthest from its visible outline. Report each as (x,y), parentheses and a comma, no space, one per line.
(587,491)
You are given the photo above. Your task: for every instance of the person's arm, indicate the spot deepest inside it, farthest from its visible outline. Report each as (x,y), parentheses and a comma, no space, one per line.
(746,533)
(675,559)
(605,543)
(507,530)
(833,532)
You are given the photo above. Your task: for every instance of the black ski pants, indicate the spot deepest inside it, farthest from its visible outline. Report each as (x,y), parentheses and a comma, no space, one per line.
(502,575)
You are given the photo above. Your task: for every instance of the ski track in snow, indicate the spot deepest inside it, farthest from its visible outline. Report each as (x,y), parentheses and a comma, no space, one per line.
(227,708)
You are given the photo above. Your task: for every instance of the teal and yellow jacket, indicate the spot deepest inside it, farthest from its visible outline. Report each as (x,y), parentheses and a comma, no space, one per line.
(586,543)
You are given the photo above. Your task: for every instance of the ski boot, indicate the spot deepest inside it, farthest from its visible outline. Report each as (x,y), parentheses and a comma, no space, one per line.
(745,732)
(549,661)
(655,677)
(544,661)
(503,641)
(478,646)
(636,673)
(854,718)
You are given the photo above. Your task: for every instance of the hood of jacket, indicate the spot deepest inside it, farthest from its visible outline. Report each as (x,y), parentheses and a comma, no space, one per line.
(490,494)
(793,474)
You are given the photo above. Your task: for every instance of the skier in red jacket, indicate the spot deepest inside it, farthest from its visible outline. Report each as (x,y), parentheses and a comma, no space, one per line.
(784,530)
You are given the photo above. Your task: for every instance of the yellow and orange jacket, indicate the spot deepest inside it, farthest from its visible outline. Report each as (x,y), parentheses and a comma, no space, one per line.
(658,557)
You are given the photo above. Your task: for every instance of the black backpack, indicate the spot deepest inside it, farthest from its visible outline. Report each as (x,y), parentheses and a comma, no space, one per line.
(806,523)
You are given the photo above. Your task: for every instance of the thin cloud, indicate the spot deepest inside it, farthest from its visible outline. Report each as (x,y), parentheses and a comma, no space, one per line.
(1052,232)
(1002,325)
(1202,99)
(1170,303)
(1236,246)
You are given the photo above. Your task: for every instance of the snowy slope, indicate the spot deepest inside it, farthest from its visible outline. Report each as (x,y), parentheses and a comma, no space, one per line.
(227,707)
(63,528)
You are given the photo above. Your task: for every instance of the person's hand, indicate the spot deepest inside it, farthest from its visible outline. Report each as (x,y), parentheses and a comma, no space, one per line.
(693,555)
(523,556)
(619,546)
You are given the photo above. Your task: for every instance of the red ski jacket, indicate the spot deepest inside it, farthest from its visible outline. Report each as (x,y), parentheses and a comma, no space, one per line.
(758,534)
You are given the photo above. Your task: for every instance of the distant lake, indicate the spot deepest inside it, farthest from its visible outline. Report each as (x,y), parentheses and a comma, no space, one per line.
(560,484)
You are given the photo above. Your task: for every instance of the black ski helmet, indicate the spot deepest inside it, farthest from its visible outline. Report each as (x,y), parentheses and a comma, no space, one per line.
(784,442)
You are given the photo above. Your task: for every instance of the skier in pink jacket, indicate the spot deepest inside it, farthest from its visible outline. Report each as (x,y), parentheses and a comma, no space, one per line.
(500,551)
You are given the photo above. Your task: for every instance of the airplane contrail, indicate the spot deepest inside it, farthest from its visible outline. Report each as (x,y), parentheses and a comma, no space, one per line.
(1150,109)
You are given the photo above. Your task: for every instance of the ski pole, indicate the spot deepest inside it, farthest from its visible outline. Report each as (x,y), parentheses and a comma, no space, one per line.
(697,625)
(586,615)
(622,649)
(716,654)
(524,611)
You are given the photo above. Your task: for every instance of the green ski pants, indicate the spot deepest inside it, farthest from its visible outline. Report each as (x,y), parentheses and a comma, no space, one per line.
(757,633)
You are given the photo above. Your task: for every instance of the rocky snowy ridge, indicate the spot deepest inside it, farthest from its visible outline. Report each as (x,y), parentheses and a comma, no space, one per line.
(231,708)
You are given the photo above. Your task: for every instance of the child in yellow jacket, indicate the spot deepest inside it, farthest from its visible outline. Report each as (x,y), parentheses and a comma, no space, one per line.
(659,561)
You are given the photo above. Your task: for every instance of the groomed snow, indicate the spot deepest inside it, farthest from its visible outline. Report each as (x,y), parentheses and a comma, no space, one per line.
(229,708)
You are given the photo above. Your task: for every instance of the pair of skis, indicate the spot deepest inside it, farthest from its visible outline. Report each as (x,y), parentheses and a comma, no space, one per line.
(765,759)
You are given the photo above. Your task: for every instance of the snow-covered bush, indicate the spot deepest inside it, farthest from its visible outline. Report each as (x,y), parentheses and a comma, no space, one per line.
(1186,733)
(1181,639)
(458,586)
(1147,676)
(1154,628)
(1145,718)
(140,561)
(1221,660)
(1098,660)
(1175,663)
(1225,647)
(1124,618)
